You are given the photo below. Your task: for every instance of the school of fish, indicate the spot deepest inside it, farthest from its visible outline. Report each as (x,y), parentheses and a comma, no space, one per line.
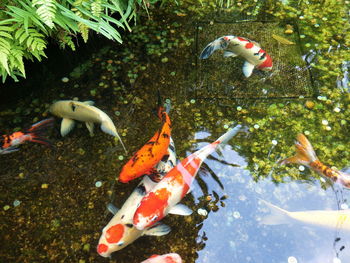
(165,182)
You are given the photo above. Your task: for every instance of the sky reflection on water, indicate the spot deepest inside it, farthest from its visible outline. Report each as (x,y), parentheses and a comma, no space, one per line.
(234,233)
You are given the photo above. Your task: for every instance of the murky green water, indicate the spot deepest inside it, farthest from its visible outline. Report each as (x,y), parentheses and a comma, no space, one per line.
(52,211)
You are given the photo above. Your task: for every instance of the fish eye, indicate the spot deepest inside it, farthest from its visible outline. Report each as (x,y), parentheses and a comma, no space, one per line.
(120,243)
(154,218)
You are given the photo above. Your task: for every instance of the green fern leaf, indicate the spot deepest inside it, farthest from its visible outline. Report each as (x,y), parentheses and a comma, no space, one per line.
(16,60)
(46,11)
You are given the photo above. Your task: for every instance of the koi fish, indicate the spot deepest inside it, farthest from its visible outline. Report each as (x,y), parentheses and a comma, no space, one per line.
(323,218)
(306,155)
(70,110)
(120,232)
(167,258)
(165,196)
(10,143)
(144,160)
(255,56)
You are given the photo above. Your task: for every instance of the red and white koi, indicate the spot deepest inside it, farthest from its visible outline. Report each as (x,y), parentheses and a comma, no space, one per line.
(255,56)
(10,143)
(166,195)
(306,155)
(120,232)
(167,258)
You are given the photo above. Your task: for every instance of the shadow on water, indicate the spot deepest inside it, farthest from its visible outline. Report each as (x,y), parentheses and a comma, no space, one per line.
(61,211)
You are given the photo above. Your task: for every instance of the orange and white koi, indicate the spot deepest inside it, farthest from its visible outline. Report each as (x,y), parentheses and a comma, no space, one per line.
(10,143)
(306,155)
(166,195)
(167,258)
(255,56)
(144,160)
(120,232)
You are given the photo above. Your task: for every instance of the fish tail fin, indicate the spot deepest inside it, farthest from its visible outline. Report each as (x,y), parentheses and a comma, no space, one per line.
(205,151)
(277,216)
(36,131)
(305,153)
(228,135)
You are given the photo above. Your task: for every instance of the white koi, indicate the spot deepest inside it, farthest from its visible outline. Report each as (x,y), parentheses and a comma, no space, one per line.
(324,218)
(70,110)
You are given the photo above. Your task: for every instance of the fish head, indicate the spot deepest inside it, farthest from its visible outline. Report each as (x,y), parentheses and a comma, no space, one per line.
(229,38)
(152,208)
(113,238)
(62,108)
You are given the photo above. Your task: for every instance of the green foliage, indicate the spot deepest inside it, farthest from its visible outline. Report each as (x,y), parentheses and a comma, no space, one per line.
(26,25)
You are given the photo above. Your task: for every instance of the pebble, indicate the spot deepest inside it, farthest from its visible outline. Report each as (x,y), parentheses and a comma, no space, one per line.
(65,79)
(236,214)
(324,122)
(226,126)
(16,203)
(336,109)
(256,126)
(328,128)
(121,157)
(239,108)
(292,260)
(6,207)
(301,168)
(307,132)
(344,206)
(98,184)
(44,186)
(193,101)
(274,142)
(202,212)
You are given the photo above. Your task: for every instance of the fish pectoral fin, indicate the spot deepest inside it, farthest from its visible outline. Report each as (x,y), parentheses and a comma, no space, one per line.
(181,210)
(228,54)
(90,127)
(112,208)
(66,126)
(248,69)
(148,183)
(89,102)
(9,150)
(158,230)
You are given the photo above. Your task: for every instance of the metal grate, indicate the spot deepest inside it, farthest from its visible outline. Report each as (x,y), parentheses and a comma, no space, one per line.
(221,77)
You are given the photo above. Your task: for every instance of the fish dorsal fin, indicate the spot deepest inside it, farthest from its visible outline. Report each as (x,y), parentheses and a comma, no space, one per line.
(255,43)
(90,127)
(228,54)
(158,230)
(112,208)
(66,126)
(89,102)
(248,69)
(181,210)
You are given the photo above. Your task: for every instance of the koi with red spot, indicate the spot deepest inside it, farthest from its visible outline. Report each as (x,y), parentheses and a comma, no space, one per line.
(144,160)
(10,143)
(306,155)
(120,231)
(239,46)
(166,195)
(167,258)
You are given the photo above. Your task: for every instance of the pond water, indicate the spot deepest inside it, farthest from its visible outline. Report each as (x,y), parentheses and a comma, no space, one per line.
(53,201)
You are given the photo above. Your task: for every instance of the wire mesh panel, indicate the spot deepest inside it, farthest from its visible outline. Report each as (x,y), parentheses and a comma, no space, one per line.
(222,77)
